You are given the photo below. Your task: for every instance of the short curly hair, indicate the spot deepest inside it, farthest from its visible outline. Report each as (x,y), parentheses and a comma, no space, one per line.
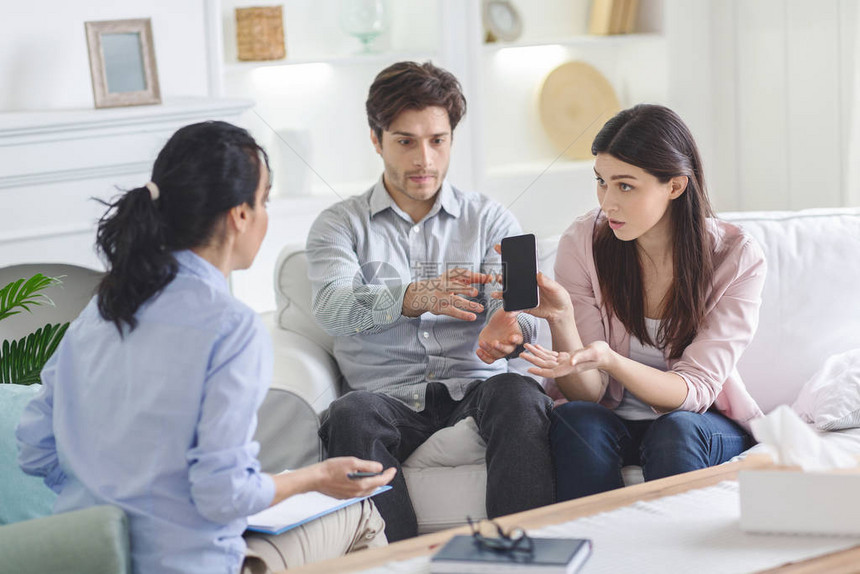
(413,86)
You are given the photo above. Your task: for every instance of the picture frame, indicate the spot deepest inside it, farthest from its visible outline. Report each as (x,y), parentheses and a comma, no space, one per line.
(122,63)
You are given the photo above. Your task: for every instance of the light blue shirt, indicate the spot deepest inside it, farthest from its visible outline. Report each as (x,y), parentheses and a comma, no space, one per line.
(160,422)
(362,254)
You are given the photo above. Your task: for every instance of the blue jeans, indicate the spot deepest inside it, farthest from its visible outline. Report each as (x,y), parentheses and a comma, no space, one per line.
(591,443)
(512,413)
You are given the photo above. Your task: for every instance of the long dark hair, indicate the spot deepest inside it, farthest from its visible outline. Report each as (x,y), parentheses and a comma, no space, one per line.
(656,140)
(202,172)
(412,86)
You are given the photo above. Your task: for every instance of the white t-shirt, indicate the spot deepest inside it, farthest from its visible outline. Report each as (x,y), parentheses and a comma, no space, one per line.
(631,408)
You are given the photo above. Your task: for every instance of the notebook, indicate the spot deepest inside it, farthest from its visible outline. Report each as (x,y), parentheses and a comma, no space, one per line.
(300,509)
(464,554)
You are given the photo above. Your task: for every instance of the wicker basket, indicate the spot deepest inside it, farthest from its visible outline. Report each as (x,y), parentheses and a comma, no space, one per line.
(260,33)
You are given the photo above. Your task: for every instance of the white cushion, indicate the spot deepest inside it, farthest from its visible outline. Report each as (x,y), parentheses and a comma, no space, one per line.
(302,366)
(809,305)
(632,475)
(831,398)
(293,297)
(451,446)
(443,496)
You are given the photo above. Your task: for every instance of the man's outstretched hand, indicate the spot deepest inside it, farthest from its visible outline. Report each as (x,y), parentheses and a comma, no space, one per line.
(500,337)
(443,295)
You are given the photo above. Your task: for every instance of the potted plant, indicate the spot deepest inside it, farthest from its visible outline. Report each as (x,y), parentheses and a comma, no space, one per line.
(21,361)
(23,497)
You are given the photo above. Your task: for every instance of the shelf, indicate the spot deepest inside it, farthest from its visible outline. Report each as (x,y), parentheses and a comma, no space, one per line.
(28,126)
(41,148)
(582,41)
(373,58)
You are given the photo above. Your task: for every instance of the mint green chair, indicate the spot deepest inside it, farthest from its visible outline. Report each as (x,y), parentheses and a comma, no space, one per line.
(90,541)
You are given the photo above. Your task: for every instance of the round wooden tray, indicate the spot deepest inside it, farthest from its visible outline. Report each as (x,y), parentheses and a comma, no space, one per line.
(574,102)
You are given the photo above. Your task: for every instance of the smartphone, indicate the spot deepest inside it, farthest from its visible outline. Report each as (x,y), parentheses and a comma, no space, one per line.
(519,272)
(358,475)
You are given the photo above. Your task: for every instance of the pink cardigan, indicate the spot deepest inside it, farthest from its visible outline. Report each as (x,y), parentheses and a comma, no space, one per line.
(708,363)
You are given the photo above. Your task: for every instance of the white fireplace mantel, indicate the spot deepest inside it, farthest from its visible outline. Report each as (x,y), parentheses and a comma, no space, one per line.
(53,163)
(29,126)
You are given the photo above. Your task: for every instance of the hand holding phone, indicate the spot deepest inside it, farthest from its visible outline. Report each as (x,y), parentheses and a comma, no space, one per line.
(519,273)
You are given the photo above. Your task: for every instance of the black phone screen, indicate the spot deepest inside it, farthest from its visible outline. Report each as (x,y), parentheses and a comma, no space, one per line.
(519,272)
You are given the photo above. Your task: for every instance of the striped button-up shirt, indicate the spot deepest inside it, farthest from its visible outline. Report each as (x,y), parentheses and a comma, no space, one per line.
(363,252)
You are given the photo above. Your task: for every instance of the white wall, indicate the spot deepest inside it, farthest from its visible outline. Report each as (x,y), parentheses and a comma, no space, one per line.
(43,49)
(768,88)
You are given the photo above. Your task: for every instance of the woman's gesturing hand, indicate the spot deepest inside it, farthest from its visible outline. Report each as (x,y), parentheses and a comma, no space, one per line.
(554,364)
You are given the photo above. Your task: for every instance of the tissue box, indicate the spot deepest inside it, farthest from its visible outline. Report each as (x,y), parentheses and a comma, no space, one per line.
(788,500)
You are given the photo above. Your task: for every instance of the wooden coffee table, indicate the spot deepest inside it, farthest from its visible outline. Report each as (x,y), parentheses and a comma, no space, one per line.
(836,563)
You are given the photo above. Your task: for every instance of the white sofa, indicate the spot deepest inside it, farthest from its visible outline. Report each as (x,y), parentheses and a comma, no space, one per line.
(811,311)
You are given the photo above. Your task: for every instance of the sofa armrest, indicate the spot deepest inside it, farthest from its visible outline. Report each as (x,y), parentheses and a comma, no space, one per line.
(303,367)
(305,381)
(90,541)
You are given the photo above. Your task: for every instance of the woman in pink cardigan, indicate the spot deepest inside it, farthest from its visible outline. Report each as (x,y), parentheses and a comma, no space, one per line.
(655,303)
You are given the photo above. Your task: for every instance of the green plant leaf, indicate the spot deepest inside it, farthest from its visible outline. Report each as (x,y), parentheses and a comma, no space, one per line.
(22,294)
(22,361)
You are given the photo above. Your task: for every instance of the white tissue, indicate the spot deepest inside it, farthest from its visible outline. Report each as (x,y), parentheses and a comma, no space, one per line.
(795,443)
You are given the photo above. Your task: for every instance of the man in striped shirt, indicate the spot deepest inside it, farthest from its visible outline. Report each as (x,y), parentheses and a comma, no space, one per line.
(401,277)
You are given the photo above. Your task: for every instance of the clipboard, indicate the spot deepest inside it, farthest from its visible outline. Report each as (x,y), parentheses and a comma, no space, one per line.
(300,509)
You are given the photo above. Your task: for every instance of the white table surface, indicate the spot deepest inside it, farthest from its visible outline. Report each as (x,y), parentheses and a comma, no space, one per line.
(695,531)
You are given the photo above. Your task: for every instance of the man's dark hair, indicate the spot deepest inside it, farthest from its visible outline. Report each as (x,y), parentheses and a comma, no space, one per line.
(412,86)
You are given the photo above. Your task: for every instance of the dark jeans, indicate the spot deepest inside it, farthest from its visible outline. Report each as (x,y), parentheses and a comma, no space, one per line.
(591,443)
(511,411)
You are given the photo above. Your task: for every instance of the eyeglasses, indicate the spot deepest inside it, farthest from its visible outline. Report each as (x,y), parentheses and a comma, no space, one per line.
(514,541)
